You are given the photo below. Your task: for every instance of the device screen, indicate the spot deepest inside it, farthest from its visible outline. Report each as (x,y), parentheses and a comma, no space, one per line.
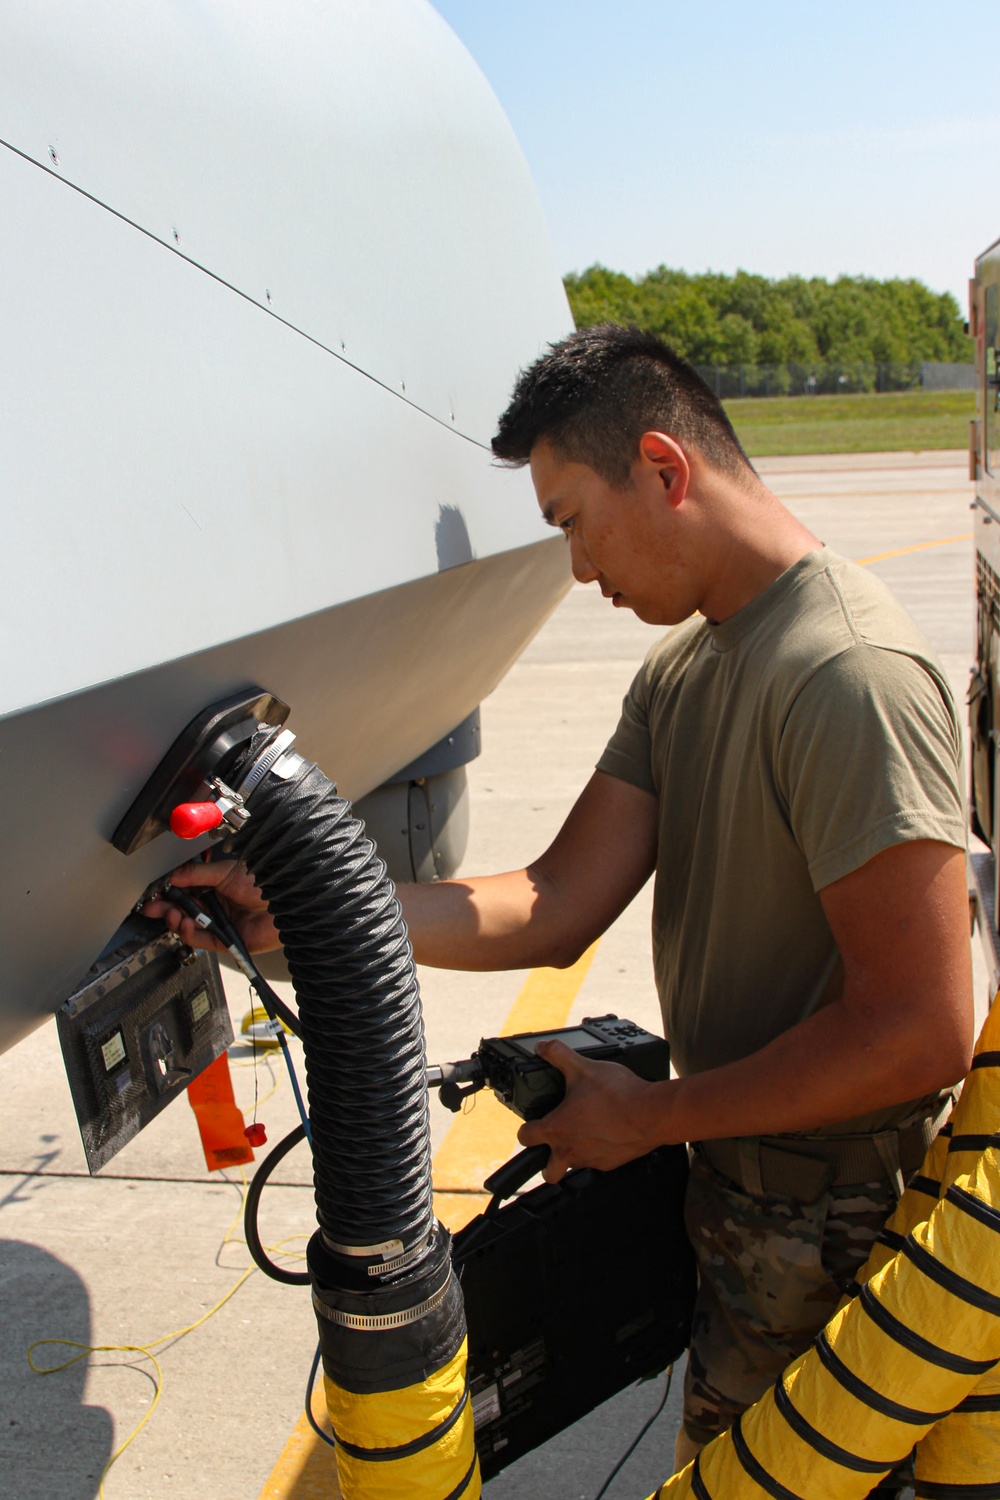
(575,1039)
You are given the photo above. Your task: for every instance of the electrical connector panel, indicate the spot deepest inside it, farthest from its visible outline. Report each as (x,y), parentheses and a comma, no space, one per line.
(147,1019)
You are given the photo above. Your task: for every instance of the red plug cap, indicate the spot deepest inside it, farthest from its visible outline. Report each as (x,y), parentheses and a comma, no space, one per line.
(189,820)
(256,1134)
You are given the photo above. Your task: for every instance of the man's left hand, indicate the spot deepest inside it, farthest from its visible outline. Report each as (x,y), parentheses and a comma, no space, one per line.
(605,1119)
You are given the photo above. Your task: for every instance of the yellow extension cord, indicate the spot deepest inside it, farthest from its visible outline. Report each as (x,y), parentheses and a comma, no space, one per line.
(146,1350)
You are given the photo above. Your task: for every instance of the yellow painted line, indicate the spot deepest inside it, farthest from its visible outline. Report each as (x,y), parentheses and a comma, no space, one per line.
(479,1141)
(307,1468)
(944,541)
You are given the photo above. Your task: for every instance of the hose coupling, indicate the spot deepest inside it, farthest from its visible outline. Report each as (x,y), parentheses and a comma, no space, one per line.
(275,755)
(225,810)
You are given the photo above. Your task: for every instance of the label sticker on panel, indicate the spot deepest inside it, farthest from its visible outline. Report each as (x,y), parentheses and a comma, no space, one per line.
(113,1051)
(200,1005)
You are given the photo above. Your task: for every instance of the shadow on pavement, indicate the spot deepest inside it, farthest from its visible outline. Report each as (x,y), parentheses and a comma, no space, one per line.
(51,1443)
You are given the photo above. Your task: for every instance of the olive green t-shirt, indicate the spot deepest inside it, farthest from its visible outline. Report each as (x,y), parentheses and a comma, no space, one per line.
(786,746)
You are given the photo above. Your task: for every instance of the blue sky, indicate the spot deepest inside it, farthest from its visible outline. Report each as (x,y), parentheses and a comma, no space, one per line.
(777,137)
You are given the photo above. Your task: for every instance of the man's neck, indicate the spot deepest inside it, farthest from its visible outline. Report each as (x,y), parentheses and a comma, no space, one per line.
(754,540)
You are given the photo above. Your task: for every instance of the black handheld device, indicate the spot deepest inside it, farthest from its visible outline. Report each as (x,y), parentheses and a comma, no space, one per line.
(530,1086)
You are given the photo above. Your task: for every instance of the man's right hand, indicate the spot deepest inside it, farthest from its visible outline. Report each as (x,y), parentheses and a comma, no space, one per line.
(240,897)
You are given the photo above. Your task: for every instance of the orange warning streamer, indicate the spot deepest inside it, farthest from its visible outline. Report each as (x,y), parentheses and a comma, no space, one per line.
(220,1122)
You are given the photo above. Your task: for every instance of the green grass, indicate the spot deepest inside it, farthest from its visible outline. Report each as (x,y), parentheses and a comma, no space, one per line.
(910,421)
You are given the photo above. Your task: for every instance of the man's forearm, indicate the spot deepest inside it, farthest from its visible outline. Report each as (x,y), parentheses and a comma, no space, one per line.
(487,922)
(830,1068)
(902,1028)
(827,1070)
(550,912)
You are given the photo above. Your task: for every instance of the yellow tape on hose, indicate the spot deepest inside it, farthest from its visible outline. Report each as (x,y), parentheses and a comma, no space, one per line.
(392,1419)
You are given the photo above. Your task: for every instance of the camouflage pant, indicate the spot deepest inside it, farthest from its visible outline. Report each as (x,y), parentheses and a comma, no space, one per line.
(771,1273)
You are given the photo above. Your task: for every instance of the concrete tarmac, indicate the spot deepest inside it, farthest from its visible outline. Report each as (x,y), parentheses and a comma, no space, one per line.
(142,1250)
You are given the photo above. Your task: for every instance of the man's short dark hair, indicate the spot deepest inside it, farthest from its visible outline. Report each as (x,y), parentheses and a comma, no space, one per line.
(595,393)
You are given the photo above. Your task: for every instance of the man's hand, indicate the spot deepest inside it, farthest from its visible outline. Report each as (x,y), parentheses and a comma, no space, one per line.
(605,1120)
(242,901)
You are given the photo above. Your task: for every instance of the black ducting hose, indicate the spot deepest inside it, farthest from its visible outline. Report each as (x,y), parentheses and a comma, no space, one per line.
(336,913)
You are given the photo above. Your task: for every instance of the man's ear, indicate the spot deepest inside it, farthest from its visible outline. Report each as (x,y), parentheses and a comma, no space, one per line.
(663,455)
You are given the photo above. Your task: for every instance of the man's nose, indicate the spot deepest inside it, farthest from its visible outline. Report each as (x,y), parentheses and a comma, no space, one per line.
(583,569)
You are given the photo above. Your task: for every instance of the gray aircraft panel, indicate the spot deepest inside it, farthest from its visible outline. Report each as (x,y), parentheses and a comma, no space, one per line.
(372,683)
(163,442)
(269,274)
(347,160)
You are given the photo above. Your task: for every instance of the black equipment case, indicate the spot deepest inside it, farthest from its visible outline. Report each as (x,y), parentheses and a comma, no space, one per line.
(573,1291)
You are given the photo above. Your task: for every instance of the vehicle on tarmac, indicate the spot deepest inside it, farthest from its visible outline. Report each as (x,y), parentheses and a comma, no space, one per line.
(984,690)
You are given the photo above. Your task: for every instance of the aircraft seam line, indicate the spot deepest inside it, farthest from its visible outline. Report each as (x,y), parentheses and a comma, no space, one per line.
(269,311)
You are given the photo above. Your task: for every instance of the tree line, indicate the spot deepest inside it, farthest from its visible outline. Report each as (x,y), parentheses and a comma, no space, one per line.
(714,319)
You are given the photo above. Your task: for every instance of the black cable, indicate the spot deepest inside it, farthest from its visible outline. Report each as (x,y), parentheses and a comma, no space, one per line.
(210,915)
(273,1004)
(317,1429)
(263,1172)
(633,1445)
(276,1010)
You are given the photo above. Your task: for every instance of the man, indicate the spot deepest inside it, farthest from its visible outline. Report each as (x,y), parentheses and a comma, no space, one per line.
(787,762)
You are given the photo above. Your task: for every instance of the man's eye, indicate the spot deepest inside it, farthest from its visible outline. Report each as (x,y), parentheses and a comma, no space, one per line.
(567,525)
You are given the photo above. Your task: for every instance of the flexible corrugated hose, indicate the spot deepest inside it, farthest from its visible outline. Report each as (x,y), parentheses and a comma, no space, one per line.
(913,1359)
(390,1311)
(349,957)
